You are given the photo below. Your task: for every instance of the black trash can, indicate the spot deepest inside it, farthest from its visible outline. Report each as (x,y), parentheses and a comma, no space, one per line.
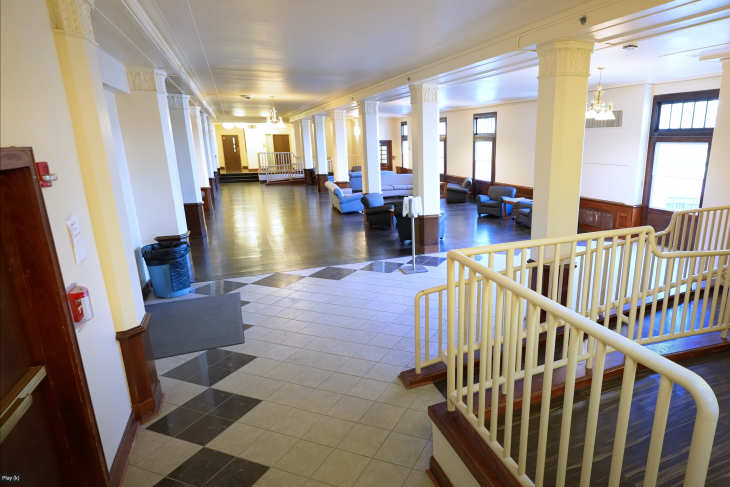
(167,263)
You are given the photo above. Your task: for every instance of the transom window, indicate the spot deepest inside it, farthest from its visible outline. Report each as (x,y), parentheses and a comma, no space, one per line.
(404,143)
(442,146)
(688,115)
(485,142)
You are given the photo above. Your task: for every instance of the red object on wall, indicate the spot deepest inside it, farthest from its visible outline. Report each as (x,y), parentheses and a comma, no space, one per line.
(42,168)
(78,299)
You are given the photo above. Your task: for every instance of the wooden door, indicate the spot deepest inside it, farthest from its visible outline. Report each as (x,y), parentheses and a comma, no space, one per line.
(231,152)
(49,431)
(281,143)
(386,161)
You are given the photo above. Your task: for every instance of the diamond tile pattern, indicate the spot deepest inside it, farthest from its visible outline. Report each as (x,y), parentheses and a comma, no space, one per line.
(334,273)
(382,266)
(218,287)
(278,279)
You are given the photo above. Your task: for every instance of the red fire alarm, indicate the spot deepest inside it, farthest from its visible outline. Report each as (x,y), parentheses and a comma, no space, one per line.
(80,303)
(44,174)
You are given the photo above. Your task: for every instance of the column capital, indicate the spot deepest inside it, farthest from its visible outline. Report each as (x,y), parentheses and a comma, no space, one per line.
(178,102)
(337,114)
(147,80)
(195,112)
(368,106)
(73,18)
(565,57)
(424,93)
(305,120)
(318,119)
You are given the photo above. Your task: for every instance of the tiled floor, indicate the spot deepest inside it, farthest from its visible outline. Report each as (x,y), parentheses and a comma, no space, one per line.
(311,399)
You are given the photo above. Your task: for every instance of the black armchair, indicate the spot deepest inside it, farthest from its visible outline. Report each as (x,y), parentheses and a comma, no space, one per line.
(457,193)
(377,213)
(524,213)
(491,203)
(403,225)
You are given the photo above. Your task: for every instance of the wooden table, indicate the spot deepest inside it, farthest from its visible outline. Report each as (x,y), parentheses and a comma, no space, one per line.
(510,201)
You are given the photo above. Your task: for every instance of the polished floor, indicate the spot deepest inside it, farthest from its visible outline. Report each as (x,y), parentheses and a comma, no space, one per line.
(256,229)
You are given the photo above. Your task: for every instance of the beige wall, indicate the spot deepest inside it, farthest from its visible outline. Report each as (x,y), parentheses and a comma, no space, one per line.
(34,112)
(253,141)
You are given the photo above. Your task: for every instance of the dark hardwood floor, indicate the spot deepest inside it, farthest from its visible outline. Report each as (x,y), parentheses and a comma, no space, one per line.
(257,229)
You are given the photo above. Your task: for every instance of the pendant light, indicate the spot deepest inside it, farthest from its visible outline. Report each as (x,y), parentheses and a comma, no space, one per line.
(271,119)
(597,109)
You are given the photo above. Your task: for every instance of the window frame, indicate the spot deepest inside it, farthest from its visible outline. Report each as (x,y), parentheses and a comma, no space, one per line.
(482,137)
(403,138)
(659,217)
(443,138)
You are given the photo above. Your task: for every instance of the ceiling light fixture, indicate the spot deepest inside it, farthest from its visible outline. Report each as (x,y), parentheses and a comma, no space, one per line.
(630,47)
(597,109)
(271,119)
(239,125)
(247,97)
(228,126)
(356,130)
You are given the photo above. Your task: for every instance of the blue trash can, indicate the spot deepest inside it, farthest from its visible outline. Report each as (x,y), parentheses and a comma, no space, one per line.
(167,263)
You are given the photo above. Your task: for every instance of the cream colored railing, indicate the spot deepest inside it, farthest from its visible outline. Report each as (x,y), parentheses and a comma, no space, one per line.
(330,166)
(510,312)
(612,273)
(280,166)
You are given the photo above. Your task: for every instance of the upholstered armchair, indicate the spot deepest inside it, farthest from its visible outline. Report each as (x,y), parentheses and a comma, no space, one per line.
(377,213)
(403,225)
(355,180)
(524,213)
(457,193)
(491,203)
(343,199)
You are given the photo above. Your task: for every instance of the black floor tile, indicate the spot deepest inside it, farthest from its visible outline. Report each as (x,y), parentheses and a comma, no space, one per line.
(427,261)
(382,266)
(215,354)
(238,473)
(197,365)
(234,361)
(167,482)
(201,467)
(209,376)
(174,422)
(246,327)
(218,287)
(204,430)
(235,407)
(334,273)
(244,303)
(207,400)
(278,279)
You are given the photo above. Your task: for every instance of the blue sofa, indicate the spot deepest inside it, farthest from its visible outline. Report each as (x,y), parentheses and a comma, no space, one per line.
(491,203)
(343,199)
(524,213)
(356,178)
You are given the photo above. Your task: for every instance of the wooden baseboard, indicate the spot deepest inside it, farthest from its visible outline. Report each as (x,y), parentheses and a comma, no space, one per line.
(124,452)
(484,465)
(437,475)
(195,218)
(146,290)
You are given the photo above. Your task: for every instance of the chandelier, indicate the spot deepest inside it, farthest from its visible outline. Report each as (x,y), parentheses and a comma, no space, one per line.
(597,109)
(271,119)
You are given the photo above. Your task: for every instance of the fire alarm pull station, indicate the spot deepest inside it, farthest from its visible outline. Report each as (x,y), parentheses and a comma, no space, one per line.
(80,304)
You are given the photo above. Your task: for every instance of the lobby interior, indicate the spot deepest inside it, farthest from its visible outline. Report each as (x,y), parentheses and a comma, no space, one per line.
(235,129)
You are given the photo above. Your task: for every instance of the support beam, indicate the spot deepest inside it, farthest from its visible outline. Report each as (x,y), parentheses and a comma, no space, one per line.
(561,107)
(370,146)
(320,142)
(339,142)
(305,137)
(423,137)
(196,125)
(718,168)
(207,146)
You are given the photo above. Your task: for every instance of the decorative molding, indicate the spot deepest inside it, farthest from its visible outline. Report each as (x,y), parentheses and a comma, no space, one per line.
(565,58)
(318,119)
(367,106)
(147,81)
(73,17)
(304,122)
(337,114)
(178,102)
(195,112)
(423,94)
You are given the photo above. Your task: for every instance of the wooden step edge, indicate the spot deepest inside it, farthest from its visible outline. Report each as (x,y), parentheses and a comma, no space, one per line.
(484,465)
(437,475)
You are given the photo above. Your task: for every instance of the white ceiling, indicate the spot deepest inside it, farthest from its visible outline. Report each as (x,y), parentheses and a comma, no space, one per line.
(301,52)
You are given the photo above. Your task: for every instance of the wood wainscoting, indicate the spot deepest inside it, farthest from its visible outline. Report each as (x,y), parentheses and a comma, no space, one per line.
(343,184)
(310,177)
(195,218)
(321,179)
(208,200)
(145,391)
(214,189)
(597,215)
(403,170)
(124,453)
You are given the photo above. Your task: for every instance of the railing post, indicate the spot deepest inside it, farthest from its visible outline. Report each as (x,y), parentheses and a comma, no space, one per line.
(450,312)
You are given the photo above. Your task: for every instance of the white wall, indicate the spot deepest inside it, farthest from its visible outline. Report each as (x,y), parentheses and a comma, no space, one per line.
(354,145)
(34,112)
(254,141)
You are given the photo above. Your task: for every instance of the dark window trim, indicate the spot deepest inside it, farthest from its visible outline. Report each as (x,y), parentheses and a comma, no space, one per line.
(403,138)
(443,137)
(676,135)
(476,138)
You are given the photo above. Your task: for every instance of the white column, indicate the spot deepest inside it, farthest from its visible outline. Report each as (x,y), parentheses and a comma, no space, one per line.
(370,146)
(144,117)
(207,145)
(214,147)
(423,138)
(296,138)
(339,145)
(561,108)
(306,141)
(320,142)
(196,124)
(182,134)
(717,186)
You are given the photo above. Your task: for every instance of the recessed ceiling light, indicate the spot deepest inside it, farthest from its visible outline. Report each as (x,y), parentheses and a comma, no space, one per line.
(247,97)
(630,47)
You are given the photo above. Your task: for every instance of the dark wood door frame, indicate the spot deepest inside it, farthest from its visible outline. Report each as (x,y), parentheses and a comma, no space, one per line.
(36,275)
(389,145)
(656,217)
(283,140)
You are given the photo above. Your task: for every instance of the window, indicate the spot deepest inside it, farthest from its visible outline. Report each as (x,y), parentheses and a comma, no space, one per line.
(682,127)
(442,146)
(485,141)
(404,143)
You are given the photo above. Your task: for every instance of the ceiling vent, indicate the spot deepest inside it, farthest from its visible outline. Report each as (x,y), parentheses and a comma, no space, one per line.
(253,126)
(592,123)
(247,97)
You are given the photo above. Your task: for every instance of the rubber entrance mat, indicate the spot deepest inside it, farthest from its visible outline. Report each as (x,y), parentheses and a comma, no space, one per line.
(191,325)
